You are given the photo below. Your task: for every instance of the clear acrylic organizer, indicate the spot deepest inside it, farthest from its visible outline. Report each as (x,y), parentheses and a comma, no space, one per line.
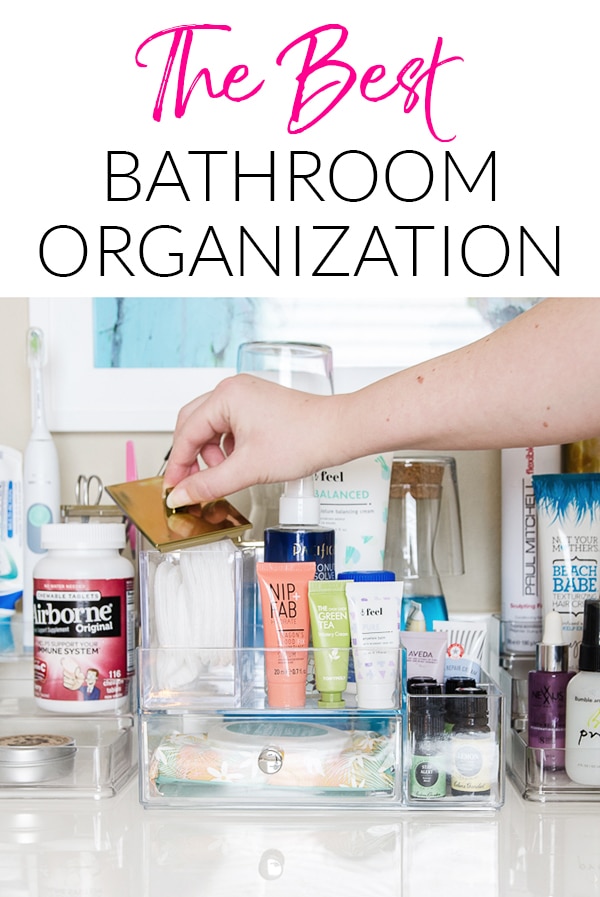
(217,744)
(537,779)
(456,770)
(94,755)
(208,737)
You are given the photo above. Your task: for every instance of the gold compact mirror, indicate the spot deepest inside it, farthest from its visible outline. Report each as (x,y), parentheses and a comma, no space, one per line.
(143,503)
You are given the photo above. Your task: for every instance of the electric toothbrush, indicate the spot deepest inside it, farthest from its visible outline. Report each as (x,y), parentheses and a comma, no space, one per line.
(41,478)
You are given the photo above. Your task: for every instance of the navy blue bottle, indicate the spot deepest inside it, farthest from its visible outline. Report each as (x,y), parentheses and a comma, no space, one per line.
(299,537)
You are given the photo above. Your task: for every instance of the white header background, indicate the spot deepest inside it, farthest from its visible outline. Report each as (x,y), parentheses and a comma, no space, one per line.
(527,90)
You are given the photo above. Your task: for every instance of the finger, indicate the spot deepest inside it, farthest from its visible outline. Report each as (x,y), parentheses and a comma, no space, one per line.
(191,441)
(189,409)
(203,422)
(212,455)
(229,476)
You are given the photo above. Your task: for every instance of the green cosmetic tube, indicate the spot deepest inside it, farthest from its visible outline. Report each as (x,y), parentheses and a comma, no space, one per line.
(330,629)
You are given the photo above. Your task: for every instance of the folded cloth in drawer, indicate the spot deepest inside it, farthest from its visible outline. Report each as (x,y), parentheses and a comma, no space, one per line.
(362,760)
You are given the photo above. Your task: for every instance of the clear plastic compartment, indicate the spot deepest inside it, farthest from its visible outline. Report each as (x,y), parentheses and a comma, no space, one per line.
(194,596)
(214,728)
(219,744)
(534,774)
(457,767)
(263,761)
(102,761)
(234,751)
(52,755)
(540,780)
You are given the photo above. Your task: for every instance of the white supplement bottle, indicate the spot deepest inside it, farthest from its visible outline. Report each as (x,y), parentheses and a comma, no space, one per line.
(83,619)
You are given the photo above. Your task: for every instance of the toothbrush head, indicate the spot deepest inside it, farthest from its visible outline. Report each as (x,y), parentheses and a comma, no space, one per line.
(35,347)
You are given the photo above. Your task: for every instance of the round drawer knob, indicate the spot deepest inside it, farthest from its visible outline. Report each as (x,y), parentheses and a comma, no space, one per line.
(270,760)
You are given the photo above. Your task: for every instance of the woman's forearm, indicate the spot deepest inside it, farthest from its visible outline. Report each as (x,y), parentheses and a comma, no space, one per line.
(532,382)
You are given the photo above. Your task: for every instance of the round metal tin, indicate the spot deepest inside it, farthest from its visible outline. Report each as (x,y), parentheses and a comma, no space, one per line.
(32,758)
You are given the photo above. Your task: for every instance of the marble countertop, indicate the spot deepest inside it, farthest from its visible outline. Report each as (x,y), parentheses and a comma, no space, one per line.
(115,847)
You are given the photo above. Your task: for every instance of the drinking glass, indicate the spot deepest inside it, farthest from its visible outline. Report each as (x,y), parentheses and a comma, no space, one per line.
(305,366)
(298,365)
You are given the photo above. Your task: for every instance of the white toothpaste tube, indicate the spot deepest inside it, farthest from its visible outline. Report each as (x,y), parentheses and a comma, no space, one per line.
(11,540)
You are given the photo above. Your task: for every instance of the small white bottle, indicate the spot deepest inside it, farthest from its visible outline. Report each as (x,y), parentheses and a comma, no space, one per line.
(582,741)
(415,618)
(83,619)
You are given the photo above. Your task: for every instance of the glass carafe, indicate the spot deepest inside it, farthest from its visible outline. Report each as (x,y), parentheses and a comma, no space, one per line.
(423,535)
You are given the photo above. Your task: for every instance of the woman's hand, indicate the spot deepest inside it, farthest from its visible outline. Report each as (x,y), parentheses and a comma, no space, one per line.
(246,431)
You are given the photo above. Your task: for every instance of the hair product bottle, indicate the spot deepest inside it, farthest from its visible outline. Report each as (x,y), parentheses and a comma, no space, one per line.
(568,514)
(582,456)
(521,598)
(582,753)
(547,694)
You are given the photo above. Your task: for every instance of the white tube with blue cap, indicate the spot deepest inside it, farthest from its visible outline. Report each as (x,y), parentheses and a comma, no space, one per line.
(11,540)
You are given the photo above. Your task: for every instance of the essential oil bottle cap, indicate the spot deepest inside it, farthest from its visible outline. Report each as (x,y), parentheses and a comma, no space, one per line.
(589,652)
(426,700)
(471,705)
(453,683)
(414,682)
(552,653)
(423,686)
(299,506)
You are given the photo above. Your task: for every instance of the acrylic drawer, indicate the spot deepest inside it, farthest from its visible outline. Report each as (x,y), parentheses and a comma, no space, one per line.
(263,760)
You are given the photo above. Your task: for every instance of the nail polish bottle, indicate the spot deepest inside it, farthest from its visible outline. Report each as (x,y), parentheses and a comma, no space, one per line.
(547,695)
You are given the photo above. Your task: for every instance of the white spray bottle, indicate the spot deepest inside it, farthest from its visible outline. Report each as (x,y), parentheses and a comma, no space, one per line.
(41,478)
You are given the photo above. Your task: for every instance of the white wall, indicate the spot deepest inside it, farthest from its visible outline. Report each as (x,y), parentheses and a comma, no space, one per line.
(104,454)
